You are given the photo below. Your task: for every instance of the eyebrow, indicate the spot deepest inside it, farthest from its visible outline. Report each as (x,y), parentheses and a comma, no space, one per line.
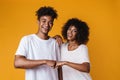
(43,19)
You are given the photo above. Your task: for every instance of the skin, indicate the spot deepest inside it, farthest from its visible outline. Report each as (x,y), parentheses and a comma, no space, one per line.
(59,39)
(72,45)
(45,24)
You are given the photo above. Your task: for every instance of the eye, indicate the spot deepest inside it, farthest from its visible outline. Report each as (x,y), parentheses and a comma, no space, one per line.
(75,30)
(51,23)
(43,21)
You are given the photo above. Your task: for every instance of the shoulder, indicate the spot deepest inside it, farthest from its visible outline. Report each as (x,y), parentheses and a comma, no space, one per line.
(27,37)
(83,46)
(52,39)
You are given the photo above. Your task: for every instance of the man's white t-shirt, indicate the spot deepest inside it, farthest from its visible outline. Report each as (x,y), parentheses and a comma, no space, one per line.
(78,55)
(34,48)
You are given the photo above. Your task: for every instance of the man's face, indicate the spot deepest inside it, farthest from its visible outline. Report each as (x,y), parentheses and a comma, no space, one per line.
(45,24)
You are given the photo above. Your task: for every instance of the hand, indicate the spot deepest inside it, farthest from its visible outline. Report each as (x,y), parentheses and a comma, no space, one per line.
(51,63)
(60,63)
(59,39)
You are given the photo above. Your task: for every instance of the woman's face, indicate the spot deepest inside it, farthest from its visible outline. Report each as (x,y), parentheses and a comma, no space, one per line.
(71,33)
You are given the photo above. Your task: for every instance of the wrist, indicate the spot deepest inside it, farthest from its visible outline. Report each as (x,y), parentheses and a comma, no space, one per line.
(66,62)
(44,61)
(54,64)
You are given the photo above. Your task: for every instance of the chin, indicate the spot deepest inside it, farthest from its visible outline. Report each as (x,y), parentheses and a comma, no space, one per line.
(69,39)
(45,31)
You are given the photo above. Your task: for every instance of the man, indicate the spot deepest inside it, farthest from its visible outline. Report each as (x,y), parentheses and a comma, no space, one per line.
(38,53)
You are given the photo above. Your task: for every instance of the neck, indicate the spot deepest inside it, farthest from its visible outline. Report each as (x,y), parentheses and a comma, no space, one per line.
(42,36)
(72,43)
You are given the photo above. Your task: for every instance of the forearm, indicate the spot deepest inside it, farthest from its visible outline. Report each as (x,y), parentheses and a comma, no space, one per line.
(21,62)
(84,67)
(60,73)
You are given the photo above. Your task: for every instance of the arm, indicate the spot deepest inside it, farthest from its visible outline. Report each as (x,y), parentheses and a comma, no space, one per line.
(60,73)
(84,67)
(22,62)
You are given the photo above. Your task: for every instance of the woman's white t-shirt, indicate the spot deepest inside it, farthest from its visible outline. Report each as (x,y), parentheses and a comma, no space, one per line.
(34,48)
(78,55)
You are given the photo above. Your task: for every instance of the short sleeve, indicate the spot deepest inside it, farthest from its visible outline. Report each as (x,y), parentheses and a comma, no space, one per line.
(85,55)
(22,47)
(58,51)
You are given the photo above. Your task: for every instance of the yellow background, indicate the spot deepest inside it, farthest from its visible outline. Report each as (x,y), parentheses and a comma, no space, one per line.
(17,18)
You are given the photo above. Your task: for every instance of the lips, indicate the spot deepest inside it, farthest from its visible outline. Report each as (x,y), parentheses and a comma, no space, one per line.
(69,35)
(45,28)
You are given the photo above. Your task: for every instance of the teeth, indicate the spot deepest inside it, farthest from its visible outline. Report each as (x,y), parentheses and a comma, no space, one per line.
(45,28)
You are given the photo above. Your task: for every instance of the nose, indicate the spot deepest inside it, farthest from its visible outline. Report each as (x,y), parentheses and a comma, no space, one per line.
(46,24)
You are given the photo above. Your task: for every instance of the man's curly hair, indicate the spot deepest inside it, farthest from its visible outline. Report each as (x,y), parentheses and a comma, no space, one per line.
(82,30)
(46,11)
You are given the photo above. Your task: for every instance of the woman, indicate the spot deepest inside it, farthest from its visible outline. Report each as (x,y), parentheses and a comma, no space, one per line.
(74,53)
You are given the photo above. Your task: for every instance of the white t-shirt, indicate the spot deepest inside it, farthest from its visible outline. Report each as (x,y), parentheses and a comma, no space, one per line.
(34,48)
(78,55)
